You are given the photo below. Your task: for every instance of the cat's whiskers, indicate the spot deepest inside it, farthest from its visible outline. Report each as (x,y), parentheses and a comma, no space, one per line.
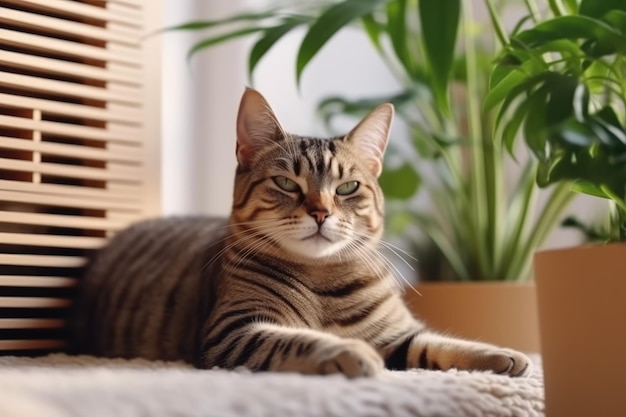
(396,273)
(247,232)
(258,223)
(393,250)
(375,268)
(248,247)
(259,240)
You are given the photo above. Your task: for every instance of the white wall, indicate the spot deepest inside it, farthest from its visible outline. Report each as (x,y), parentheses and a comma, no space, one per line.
(199,106)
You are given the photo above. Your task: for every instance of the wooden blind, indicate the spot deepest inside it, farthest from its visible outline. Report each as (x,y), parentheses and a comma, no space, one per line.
(72,152)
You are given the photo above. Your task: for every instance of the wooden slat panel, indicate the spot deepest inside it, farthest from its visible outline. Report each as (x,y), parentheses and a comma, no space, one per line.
(77,242)
(125,114)
(46,200)
(26,82)
(128,155)
(91,55)
(67,48)
(62,26)
(62,221)
(36,281)
(54,66)
(131,136)
(125,194)
(41,344)
(132,176)
(34,302)
(31,323)
(40,260)
(76,9)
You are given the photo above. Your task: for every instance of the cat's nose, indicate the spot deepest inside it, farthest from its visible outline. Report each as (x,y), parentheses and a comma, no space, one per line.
(319,214)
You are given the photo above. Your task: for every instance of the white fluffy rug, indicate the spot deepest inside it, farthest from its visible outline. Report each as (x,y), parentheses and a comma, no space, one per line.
(59,386)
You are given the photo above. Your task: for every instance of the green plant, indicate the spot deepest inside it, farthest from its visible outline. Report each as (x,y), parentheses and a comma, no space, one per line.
(480,230)
(563,82)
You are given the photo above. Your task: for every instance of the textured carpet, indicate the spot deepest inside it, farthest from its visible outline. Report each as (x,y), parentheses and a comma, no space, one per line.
(59,386)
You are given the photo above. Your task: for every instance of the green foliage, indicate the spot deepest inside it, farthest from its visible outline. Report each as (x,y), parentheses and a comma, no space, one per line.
(479,230)
(572,71)
(327,24)
(440,22)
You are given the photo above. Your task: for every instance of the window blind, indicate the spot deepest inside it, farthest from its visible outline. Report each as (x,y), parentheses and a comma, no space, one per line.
(74,152)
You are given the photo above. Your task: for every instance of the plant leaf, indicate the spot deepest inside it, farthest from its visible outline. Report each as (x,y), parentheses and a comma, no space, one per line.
(335,105)
(598,8)
(581,102)
(373,30)
(518,80)
(396,28)
(617,19)
(535,123)
(325,26)
(562,90)
(207,24)
(400,183)
(576,134)
(510,130)
(208,42)
(606,39)
(608,120)
(440,20)
(270,37)
(586,187)
(500,91)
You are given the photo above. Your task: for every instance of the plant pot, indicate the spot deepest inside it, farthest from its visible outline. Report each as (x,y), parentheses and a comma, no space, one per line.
(582,314)
(501,313)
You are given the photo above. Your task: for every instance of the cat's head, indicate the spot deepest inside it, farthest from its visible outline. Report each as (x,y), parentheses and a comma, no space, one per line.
(307,197)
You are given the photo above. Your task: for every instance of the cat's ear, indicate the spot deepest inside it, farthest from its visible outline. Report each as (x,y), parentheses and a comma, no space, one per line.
(257,126)
(371,135)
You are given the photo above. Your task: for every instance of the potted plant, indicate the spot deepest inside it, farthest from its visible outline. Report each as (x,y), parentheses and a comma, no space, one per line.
(477,231)
(563,82)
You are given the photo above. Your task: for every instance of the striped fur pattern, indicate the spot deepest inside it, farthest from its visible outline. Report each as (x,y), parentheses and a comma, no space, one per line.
(294,281)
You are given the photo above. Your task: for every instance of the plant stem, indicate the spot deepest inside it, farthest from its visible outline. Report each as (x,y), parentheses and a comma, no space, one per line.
(478,193)
(531,5)
(494,188)
(449,251)
(522,207)
(557,8)
(617,224)
(619,201)
(557,202)
(496,22)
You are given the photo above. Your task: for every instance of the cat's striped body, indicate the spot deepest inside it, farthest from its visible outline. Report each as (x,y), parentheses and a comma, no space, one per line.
(294,282)
(146,294)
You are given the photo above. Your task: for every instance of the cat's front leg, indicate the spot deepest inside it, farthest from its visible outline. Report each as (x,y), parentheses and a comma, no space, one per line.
(429,350)
(272,347)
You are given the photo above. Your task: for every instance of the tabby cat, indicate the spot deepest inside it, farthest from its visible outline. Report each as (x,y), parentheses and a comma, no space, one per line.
(294,281)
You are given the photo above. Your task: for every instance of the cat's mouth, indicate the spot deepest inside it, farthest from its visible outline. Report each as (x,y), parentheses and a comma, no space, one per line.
(317,236)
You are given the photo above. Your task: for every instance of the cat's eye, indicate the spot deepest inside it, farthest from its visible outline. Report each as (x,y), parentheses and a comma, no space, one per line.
(348,188)
(286,184)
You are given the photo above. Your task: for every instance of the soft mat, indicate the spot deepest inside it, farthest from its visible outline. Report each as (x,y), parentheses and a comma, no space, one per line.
(60,386)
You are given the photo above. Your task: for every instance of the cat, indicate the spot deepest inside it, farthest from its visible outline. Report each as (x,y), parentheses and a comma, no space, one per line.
(293,281)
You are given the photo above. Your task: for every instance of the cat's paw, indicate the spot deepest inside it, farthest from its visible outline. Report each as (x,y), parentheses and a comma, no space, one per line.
(353,358)
(503,361)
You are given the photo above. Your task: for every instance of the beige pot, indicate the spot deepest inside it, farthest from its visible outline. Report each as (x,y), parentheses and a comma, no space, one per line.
(501,313)
(581,294)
